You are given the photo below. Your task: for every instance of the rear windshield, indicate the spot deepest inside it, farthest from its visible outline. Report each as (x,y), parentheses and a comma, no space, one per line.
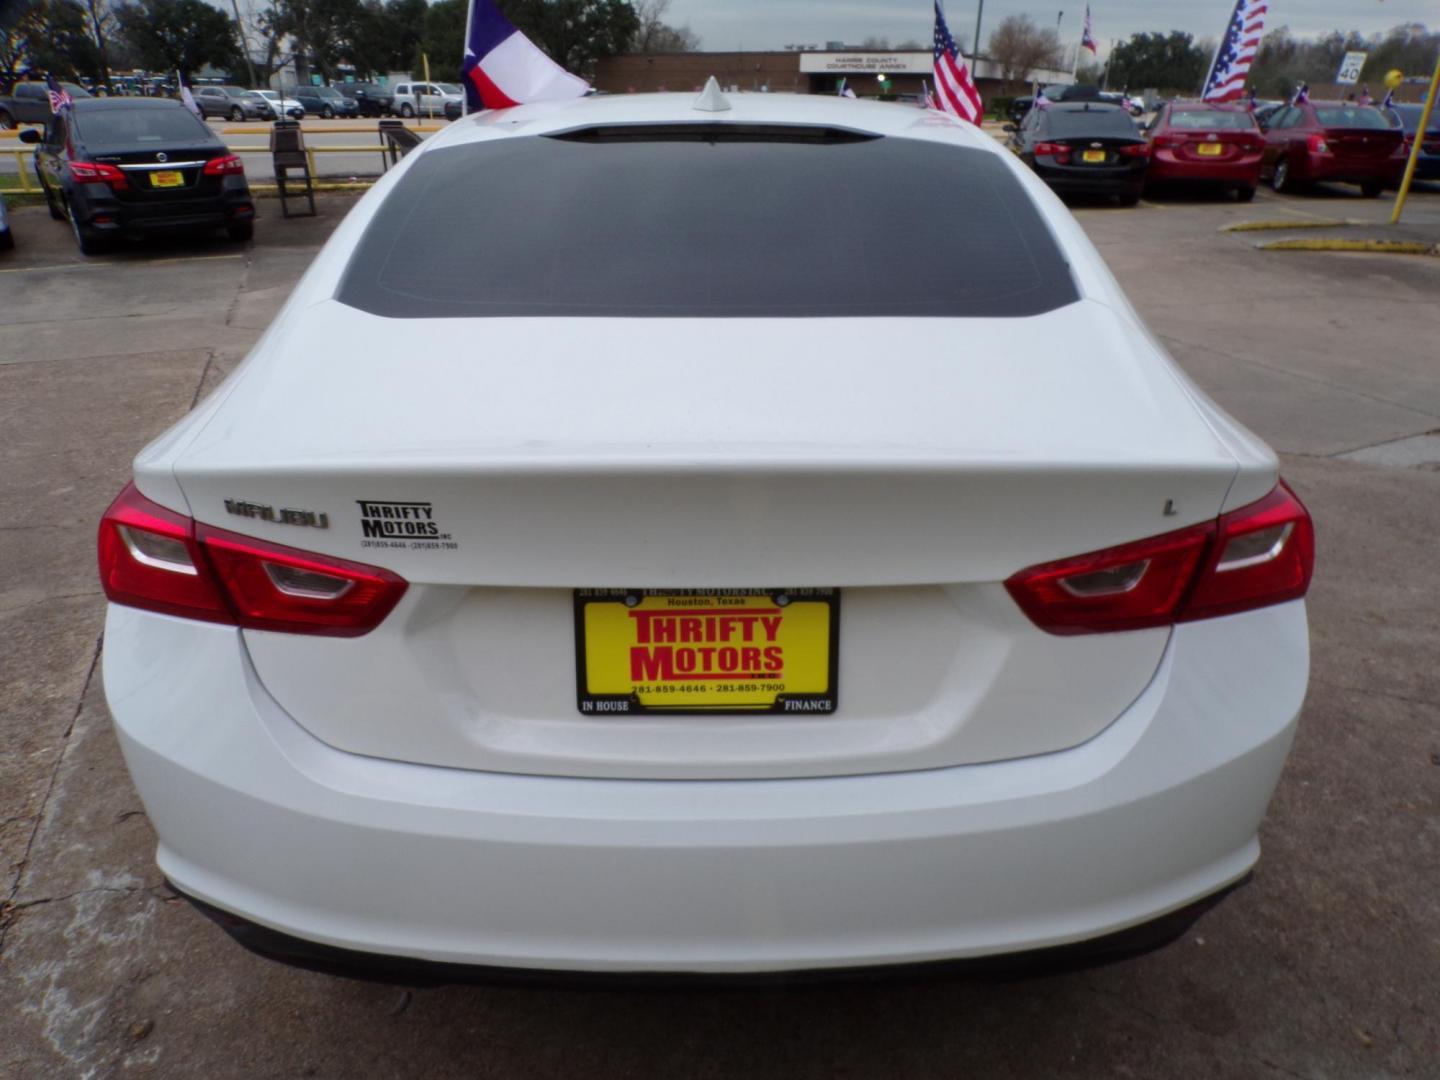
(1350,116)
(1211,120)
(1105,121)
(692,227)
(1410,117)
(145,126)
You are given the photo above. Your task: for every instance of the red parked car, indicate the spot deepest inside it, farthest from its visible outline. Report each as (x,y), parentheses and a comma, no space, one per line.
(1211,144)
(1332,140)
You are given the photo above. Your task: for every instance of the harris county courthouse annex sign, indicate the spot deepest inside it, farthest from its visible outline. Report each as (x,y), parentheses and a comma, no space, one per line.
(868,63)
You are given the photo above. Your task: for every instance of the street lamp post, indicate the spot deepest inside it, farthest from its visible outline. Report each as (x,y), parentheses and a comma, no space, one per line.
(975,45)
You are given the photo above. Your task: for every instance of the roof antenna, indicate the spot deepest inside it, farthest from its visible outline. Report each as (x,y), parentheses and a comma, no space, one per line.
(711,99)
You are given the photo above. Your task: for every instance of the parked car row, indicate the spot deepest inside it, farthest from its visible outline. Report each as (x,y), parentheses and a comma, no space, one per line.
(1093,147)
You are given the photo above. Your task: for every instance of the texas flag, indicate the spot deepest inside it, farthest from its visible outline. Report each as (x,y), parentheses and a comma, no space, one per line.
(503,67)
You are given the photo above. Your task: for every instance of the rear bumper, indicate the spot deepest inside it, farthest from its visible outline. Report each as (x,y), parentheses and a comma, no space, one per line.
(1125,180)
(132,217)
(1329,167)
(260,820)
(1165,166)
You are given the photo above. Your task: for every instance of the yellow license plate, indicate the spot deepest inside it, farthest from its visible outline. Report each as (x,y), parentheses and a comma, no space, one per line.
(707,651)
(1211,149)
(167,178)
(1093,157)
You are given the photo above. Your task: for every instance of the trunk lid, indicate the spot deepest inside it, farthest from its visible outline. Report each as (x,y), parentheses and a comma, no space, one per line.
(500,464)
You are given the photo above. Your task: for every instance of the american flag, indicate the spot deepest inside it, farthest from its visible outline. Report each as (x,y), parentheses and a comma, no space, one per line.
(954,90)
(60,98)
(1226,81)
(1087,39)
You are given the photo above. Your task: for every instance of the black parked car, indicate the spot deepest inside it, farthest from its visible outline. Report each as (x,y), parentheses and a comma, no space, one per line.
(6,240)
(128,166)
(1088,148)
(373,99)
(325,102)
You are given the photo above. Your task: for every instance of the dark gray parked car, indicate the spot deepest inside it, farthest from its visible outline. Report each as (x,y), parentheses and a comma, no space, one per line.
(231,102)
(29,103)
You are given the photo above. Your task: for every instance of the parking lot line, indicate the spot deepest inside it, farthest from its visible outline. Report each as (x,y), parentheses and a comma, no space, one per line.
(92,265)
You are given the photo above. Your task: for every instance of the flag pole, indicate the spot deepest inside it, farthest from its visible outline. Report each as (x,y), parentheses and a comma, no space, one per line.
(464,87)
(1420,131)
(425,60)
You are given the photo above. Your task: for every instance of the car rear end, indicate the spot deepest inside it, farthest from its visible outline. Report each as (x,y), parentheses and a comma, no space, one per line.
(146,166)
(1207,144)
(1092,150)
(1406,118)
(731,614)
(1355,144)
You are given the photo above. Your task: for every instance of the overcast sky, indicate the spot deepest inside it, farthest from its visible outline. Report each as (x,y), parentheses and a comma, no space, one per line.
(772,24)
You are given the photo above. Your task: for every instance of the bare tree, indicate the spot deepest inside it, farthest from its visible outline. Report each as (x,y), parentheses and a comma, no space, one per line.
(100,25)
(876,44)
(1019,47)
(656,35)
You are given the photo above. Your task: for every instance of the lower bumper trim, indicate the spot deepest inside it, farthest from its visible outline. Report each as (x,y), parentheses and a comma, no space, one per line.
(408,971)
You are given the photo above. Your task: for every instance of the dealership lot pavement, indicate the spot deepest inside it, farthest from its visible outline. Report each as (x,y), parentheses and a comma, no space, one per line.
(1327,965)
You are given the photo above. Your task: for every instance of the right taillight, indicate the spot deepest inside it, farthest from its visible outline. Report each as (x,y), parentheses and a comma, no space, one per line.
(228,165)
(158,560)
(1264,553)
(1257,555)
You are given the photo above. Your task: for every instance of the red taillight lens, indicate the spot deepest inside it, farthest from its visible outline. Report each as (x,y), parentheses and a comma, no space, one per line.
(224,166)
(159,560)
(1168,141)
(1264,554)
(1129,587)
(149,559)
(1258,555)
(91,172)
(282,588)
(1134,150)
(1317,144)
(1055,150)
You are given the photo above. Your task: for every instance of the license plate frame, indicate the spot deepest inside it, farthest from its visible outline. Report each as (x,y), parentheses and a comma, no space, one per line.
(167,178)
(801,680)
(1093,157)
(1210,149)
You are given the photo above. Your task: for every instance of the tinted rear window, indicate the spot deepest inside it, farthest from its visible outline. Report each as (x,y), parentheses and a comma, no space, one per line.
(1211,120)
(665,227)
(143,126)
(1102,122)
(1350,116)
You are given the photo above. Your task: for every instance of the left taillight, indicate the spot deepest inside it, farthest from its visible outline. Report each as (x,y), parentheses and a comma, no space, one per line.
(1134,150)
(158,560)
(94,172)
(228,165)
(1252,557)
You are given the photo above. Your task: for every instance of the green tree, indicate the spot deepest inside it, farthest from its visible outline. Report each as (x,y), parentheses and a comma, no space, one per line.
(64,45)
(183,35)
(575,33)
(1172,63)
(324,31)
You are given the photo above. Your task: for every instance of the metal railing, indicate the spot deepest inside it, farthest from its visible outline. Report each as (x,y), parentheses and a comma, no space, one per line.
(28,183)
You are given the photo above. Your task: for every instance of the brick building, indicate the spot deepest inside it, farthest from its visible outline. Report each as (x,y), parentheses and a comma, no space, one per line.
(905,72)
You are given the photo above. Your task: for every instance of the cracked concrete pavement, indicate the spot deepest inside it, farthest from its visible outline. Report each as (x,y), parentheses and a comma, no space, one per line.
(1327,965)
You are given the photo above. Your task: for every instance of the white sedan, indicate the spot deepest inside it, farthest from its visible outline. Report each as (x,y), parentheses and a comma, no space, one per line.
(282,106)
(750,539)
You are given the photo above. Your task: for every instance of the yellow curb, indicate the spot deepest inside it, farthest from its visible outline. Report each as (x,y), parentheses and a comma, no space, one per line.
(269,190)
(1262,226)
(1388,247)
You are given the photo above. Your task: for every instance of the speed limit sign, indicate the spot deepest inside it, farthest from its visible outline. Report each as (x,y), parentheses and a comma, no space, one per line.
(1350,68)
